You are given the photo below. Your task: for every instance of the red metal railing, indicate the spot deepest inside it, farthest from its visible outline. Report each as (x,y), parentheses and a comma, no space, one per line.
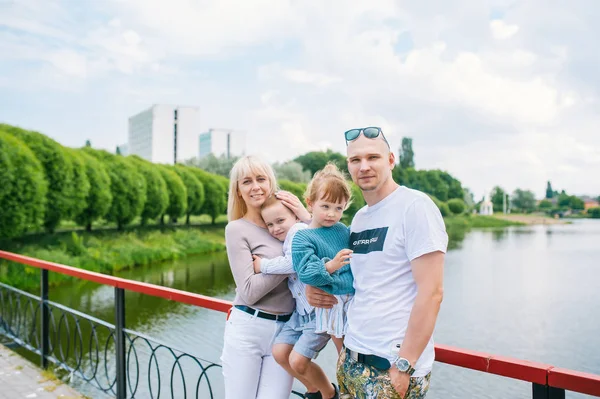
(547,378)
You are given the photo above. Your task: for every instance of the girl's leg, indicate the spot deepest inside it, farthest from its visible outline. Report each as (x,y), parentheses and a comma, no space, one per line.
(313,373)
(339,343)
(281,353)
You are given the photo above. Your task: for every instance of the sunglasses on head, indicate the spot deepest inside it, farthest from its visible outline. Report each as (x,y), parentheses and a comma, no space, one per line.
(368,132)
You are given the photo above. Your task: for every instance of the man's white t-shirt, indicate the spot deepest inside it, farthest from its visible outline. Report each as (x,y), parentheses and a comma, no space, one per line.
(385,238)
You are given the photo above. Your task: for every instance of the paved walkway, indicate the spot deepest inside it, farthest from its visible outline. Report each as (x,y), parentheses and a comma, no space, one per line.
(19,378)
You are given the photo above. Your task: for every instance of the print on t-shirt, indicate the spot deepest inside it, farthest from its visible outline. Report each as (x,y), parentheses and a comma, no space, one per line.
(367,241)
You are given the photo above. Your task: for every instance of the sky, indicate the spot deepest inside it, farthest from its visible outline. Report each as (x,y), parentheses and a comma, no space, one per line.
(495,92)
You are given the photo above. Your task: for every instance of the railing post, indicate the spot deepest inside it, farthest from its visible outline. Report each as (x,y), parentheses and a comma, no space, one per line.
(120,343)
(547,392)
(45,319)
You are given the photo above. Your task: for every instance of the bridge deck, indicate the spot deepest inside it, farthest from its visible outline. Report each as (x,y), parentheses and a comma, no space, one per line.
(19,378)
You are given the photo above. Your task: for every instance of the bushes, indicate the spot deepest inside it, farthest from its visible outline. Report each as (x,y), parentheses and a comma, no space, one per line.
(195,191)
(457,206)
(23,189)
(80,184)
(594,212)
(58,170)
(176,191)
(157,195)
(215,202)
(127,186)
(295,188)
(99,197)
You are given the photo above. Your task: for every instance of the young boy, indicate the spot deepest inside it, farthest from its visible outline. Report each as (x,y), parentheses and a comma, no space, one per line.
(297,343)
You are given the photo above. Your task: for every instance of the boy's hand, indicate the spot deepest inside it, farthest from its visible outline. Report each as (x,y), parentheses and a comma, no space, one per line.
(341,259)
(256,263)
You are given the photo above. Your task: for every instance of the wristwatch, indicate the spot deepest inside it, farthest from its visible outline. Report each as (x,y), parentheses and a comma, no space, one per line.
(404,366)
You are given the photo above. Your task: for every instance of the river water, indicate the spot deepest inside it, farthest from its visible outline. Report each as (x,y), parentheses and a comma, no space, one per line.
(526,292)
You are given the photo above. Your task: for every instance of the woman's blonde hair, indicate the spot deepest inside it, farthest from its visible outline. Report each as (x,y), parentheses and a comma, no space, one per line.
(246,166)
(328,184)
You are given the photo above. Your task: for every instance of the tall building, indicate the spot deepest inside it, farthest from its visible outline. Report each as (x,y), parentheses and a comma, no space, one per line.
(221,142)
(164,133)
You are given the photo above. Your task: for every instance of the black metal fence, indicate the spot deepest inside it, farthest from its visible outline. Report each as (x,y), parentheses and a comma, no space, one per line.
(120,362)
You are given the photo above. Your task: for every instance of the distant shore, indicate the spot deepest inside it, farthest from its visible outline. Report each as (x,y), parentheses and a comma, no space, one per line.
(530,219)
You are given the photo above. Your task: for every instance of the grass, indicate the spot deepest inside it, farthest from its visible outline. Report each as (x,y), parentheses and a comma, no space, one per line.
(109,251)
(478,221)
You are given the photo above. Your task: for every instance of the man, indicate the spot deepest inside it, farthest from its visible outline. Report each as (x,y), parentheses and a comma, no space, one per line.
(399,241)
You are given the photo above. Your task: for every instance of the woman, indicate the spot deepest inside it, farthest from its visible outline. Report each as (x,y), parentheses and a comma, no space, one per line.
(263,303)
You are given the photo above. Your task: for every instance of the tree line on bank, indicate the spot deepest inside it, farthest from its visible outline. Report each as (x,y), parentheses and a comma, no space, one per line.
(446,191)
(43,183)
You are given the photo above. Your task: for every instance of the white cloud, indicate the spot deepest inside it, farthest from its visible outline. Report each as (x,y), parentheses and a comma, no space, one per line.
(501,30)
(510,101)
(317,79)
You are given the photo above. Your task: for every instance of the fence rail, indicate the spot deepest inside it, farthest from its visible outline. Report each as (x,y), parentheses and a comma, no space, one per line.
(548,382)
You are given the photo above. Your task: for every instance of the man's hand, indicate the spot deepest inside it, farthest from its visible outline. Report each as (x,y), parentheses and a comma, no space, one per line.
(256,263)
(319,298)
(341,259)
(400,381)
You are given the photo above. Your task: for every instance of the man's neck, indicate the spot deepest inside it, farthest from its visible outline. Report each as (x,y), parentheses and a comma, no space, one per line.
(373,197)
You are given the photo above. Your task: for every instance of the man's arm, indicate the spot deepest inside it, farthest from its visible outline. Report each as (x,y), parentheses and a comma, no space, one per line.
(428,272)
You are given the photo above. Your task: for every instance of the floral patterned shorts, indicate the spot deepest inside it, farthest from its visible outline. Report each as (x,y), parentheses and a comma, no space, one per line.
(360,381)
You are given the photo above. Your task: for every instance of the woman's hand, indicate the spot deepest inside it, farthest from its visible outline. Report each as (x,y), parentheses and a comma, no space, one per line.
(256,262)
(318,298)
(295,205)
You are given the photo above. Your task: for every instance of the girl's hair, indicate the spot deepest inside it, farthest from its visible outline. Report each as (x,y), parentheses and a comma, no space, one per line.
(328,184)
(246,166)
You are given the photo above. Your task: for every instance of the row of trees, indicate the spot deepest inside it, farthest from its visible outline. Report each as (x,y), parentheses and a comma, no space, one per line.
(438,184)
(44,183)
(525,201)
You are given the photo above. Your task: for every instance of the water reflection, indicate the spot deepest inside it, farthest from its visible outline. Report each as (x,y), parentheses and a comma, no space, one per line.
(527,292)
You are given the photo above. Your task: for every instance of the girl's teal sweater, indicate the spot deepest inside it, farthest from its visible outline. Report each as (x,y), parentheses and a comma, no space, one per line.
(312,248)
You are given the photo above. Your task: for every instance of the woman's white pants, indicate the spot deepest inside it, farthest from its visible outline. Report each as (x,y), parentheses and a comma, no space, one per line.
(249,369)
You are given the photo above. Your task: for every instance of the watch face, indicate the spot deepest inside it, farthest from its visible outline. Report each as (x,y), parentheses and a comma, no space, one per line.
(402,364)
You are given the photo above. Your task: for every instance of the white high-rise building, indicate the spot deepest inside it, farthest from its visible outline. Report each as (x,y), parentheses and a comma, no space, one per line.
(222,142)
(164,133)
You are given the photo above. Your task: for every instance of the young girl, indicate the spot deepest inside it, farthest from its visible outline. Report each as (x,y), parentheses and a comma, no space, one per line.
(319,253)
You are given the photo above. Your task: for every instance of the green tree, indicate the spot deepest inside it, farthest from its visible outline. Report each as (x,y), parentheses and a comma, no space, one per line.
(23,190)
(358,201)
(594,212)
(545,205)
(455,188)
(316,160)
(157,195)
(549,191)
(576,203)
(523,200)
(58,170)
(195,191)
(215,194)
(294,188)
(468,199)
(497,198)
(406,154)
(80,184)
(127,186)
(457,206)
(88,143)
(564,199)
(99,196)
(212,164)
(291,171)
(177,193)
